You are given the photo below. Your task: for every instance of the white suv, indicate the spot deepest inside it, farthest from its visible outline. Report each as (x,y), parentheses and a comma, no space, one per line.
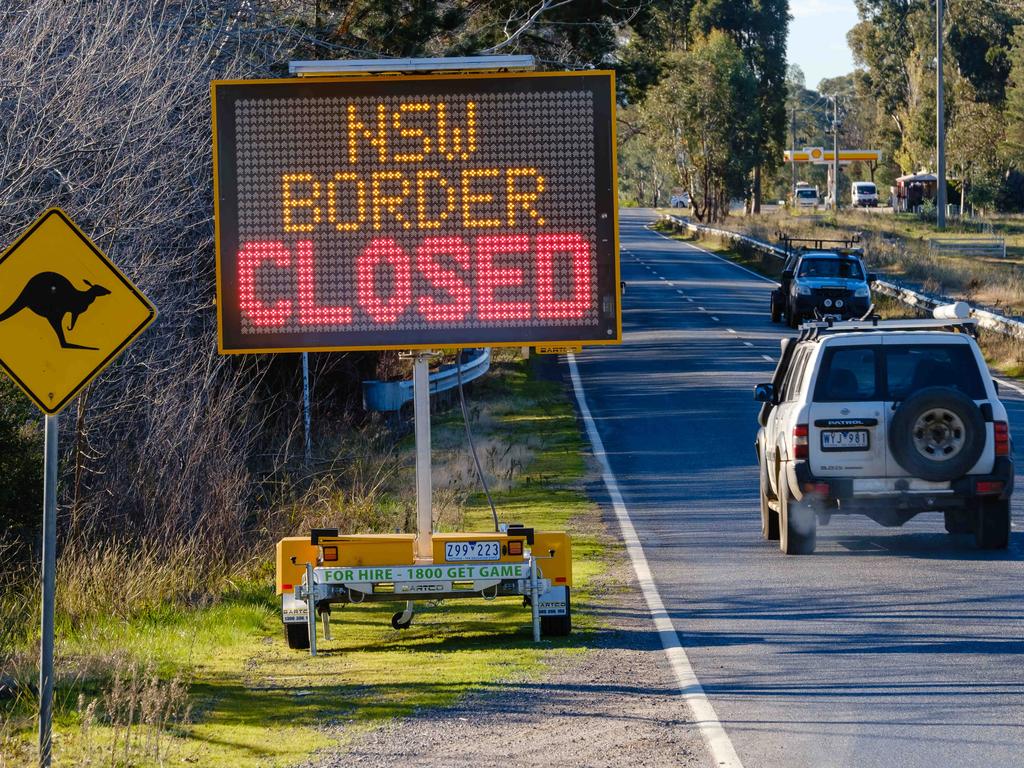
(886,419)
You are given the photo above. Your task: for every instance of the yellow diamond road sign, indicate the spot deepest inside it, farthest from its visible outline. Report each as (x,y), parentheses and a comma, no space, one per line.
(66,312)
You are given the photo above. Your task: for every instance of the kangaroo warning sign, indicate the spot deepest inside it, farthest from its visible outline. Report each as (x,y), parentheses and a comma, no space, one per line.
(416,211)
(65,311)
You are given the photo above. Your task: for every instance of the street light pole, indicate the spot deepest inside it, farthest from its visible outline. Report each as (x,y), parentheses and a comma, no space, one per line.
(835,152)
(792,154)
(940,123)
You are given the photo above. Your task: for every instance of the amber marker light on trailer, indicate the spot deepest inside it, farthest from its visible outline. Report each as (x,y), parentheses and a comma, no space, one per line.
(515,547)
(330,554)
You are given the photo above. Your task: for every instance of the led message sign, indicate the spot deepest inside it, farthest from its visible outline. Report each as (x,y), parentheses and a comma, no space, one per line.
(411,212)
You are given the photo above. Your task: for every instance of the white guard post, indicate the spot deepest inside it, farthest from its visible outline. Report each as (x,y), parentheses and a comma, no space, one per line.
(421,408)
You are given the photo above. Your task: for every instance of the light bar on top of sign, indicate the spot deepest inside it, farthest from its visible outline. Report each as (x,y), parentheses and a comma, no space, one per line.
(416,211)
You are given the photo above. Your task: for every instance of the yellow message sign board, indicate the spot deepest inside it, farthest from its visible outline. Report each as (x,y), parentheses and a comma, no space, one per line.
(66,312)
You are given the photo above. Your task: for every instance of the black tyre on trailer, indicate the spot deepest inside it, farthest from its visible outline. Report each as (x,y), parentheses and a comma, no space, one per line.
(297,636)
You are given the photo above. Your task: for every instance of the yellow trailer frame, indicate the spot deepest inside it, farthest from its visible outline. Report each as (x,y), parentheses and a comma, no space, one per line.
(325,568)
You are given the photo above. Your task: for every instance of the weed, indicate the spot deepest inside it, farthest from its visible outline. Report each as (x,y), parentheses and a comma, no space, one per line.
(139,711)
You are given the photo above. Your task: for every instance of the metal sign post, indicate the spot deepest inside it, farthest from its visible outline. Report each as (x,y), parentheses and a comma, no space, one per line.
(421,409)
(306,417)
(49,590)
(66,313)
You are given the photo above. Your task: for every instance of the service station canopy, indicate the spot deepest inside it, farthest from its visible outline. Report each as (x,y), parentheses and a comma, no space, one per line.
(822,156)
(416,211)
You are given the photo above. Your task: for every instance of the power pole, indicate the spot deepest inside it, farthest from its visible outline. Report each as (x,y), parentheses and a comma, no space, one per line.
(835,152)
(792,152)
(940,123)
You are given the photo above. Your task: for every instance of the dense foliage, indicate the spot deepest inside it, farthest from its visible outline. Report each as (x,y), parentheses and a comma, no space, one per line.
(894,47)
(690,57)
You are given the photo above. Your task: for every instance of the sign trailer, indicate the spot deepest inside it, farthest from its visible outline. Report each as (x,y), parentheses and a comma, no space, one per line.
(66,313)
(417,212)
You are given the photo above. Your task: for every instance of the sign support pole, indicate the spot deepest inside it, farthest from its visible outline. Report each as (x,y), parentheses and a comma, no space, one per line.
(421,416)
(49,584)
(306,417)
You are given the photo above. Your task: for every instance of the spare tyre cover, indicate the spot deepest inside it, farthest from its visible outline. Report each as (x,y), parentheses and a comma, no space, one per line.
(936,434)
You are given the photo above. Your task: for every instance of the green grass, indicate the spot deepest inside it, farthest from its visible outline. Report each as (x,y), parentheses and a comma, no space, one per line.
(256,703)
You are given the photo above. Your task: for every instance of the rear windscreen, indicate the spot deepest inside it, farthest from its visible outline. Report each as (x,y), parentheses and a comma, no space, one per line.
(910,368)
(852,374)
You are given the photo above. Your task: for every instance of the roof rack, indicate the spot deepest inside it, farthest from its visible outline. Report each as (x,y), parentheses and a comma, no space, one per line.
(838,246)
(817,329)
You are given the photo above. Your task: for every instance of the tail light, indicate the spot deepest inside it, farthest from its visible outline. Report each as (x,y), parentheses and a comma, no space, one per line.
(800,441)
(987,487)
(330,554)
(1002,435)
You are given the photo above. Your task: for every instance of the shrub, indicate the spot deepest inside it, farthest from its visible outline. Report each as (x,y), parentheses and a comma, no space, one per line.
(21,467)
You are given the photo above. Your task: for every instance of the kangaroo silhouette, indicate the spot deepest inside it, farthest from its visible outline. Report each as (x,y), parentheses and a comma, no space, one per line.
(51,296)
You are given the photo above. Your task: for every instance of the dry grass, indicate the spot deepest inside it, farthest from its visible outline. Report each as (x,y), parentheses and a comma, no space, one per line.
(139,711)
(898,247)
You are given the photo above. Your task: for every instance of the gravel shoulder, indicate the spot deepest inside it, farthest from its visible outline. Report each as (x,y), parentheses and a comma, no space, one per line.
(614,704)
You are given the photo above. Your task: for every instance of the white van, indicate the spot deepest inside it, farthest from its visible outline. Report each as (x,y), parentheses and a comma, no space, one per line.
(806,196)
(864,194)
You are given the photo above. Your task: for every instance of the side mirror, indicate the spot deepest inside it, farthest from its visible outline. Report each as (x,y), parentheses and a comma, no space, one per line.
(764,393)
(787,274)
(995,385)
(872,276)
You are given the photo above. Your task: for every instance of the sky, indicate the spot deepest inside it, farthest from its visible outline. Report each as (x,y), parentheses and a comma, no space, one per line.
(817,38)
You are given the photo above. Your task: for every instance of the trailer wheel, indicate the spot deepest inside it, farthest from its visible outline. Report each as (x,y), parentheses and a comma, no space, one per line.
(297,636)
(397,623)
(558,626)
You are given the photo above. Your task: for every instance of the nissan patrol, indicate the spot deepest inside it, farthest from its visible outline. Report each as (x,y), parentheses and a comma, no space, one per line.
(888,419)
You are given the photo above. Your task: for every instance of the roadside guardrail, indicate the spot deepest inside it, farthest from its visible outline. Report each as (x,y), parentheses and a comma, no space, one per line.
(991,321)
(980,246)
(387,396)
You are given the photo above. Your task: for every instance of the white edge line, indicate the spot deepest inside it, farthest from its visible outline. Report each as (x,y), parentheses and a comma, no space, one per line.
(714,255)
(715,737)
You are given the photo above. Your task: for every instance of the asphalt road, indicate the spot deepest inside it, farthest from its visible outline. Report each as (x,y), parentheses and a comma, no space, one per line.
(888,647)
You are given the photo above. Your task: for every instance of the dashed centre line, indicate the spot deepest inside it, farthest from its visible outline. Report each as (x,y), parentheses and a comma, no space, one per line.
(747,344)
(768,358)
